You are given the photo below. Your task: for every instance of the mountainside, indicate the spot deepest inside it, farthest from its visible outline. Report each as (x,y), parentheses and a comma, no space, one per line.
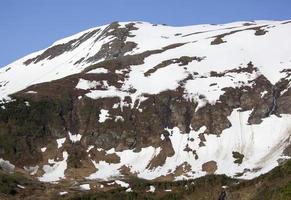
(136,100)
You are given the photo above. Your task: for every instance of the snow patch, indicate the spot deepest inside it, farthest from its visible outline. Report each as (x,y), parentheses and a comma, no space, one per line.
(103,116)
(264,93)
(85,186)
(86,85)
(74,138)
(55,171)
(63,193)
(122,183)
(98,71)
(6,166)
(152,189)
(60,142)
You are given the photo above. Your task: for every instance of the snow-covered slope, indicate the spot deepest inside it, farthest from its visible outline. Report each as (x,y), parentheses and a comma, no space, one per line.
(190,100)
(269,52)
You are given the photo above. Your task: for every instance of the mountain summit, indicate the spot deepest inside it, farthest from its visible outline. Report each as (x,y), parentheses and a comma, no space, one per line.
(148,101)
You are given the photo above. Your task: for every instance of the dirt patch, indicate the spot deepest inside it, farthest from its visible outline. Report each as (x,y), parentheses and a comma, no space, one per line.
(182,169)
(182,61)
(219,38)
(103,156)
(209,167)
(166,151)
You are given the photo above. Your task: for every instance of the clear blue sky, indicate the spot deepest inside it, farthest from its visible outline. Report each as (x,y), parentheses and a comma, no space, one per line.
(30,25)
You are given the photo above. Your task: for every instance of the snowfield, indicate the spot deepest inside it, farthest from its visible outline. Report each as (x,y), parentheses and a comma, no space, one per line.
(258,143)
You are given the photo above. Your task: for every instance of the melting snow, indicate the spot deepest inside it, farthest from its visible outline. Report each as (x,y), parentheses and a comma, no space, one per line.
(240,137)
(122,183)
(240,48)
(89,148)
(152,189)
(86,85)
(85,187)
(20,186)
(55,171)
(60,142)
(74,138)
(31,92)
(63,193)
(43,149)
(104,115)
(118,118)
(137,161)
(98,71)
(264,93)
(6,165)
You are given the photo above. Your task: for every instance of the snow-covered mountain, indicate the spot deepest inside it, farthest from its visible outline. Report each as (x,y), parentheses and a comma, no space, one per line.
(152,101)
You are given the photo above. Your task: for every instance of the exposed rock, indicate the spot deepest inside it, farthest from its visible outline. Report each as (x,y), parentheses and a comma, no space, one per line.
(209,167)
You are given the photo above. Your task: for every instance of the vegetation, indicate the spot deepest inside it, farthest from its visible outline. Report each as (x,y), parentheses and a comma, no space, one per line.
(9,183)
(24,124)
(238,157)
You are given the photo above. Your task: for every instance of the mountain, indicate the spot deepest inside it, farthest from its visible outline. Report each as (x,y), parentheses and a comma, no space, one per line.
(139,101)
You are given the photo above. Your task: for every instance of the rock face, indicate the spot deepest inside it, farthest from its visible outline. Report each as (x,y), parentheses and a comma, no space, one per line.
(150,101)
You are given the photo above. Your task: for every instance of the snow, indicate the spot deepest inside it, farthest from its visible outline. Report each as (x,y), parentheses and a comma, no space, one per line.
(74,138)
(20,76)
(240,137)
(203,86)
(98,71)
(86,85)
(122,183)
(152,189)
(31,92)
(118,118)
(89,148)
(269,53)
(259,157)
(233,54)
(63,193)
(110,92)
(103,116)
(55,171)
(264,93)
(20,186)
(85,186)
(136,161)
(128,190)
(60,142)
(6,165)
